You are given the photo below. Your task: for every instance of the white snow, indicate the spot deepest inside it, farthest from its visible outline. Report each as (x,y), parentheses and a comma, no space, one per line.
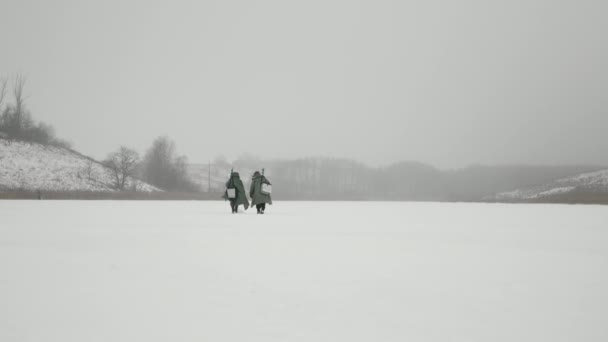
(555,191)
(514,194)
(30,166)
(533,193)
(598,179)
(305,271)
(590,181)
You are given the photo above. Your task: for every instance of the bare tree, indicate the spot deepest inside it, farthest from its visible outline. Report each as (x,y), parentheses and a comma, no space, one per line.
(163,168)
(3,90)
(122,163)
(88,169)
(16,120)
(21,120)
(18,94)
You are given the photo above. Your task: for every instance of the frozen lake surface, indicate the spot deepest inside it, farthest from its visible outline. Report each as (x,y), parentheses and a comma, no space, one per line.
(305,271)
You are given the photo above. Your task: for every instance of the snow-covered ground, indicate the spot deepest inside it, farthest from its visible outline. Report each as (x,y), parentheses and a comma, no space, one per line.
(590,181)
(305,271)
(30,166)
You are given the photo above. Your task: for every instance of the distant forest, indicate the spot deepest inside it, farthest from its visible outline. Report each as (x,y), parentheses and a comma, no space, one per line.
(343,179)
(302,179)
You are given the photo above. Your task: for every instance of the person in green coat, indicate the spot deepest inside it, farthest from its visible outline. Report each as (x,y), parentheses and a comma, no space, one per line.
(241,196)
(259,198)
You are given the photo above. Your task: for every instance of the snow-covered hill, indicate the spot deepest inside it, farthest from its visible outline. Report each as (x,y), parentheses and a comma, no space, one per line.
(30,166)
(596,181)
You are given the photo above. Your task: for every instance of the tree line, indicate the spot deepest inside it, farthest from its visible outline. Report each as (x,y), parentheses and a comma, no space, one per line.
(161,166)
(16,122)
(344,179)
(304,178)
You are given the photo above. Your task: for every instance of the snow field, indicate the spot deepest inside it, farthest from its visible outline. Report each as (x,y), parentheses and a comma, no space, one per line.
(305,271)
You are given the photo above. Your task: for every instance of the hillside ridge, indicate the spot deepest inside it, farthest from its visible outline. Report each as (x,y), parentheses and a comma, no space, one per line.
(31,167)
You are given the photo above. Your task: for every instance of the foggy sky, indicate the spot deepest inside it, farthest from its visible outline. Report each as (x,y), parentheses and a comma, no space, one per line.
(445,82)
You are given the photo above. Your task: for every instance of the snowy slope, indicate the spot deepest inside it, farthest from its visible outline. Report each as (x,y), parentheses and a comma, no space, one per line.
(30,166)
(590,181)
(75,271)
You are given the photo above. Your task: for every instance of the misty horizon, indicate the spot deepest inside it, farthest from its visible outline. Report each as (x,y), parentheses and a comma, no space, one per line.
(445,84)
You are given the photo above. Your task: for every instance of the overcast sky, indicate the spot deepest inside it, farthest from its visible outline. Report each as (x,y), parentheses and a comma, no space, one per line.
(445,82)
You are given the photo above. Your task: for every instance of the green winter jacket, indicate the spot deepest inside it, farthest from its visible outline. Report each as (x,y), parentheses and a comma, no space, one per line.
(236,183)
(255,191)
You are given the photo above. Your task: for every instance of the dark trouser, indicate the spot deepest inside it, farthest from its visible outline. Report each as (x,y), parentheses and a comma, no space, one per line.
(260,207)
(234,206)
